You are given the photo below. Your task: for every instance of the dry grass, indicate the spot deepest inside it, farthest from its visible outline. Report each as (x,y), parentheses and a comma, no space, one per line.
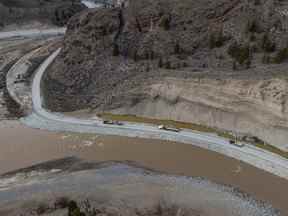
(272,149)
(191,126)
(172,123)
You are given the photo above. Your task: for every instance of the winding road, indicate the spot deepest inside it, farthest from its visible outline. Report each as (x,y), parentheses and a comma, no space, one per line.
(44,119)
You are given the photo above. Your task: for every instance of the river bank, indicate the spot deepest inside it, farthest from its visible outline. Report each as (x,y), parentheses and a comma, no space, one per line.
(32,146)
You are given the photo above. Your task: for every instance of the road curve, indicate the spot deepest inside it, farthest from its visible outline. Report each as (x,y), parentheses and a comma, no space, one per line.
(44,119)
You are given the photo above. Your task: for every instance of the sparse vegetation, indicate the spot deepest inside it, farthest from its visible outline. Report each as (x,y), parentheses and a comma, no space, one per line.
(281,56)
(267,44)
(177,48)
(116,50)
(253,27)
(61,202)
(240,53)
(165,22)
(160,63)
(42,208)
(266,59)
(74,209)
(252,37)
(168,64)
(272,149)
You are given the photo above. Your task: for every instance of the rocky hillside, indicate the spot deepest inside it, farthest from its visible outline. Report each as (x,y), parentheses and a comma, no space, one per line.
(21,11)
(111,59)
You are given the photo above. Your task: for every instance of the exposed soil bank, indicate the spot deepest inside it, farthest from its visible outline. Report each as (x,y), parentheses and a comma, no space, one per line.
(33,146)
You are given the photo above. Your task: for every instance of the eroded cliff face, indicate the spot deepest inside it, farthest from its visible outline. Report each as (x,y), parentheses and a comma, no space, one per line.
(120,59)
(255,107)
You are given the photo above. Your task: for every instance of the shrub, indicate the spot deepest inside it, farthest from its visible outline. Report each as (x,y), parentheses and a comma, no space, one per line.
(253,27)
(135,56)
(42,208)
(281,56)
(234,66)
(267,44)
(168,65)
(160,63)
(61,203)
(252,37)
(77,212)
(257,2)
(72,207)
(216,40)
(116,51)
(165,22)
(266,59)
(177,48)
(240,53)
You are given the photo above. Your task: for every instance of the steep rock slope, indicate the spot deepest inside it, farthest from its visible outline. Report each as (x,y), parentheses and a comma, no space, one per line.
(112,59)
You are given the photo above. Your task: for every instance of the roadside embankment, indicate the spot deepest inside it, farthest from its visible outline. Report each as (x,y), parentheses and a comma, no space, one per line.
(252,107)
(19,77)
(41,118)
(11,50)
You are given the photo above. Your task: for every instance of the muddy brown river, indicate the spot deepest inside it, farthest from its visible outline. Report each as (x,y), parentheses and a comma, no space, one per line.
(21,147)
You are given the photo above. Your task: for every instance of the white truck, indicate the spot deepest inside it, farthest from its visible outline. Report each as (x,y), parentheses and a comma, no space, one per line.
(236,143)
(168,128)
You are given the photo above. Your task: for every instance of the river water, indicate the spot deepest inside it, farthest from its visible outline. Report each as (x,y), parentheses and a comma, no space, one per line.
(21,147)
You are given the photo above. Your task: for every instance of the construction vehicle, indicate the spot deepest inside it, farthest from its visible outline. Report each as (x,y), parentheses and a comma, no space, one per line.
(168,128)
(236,143)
